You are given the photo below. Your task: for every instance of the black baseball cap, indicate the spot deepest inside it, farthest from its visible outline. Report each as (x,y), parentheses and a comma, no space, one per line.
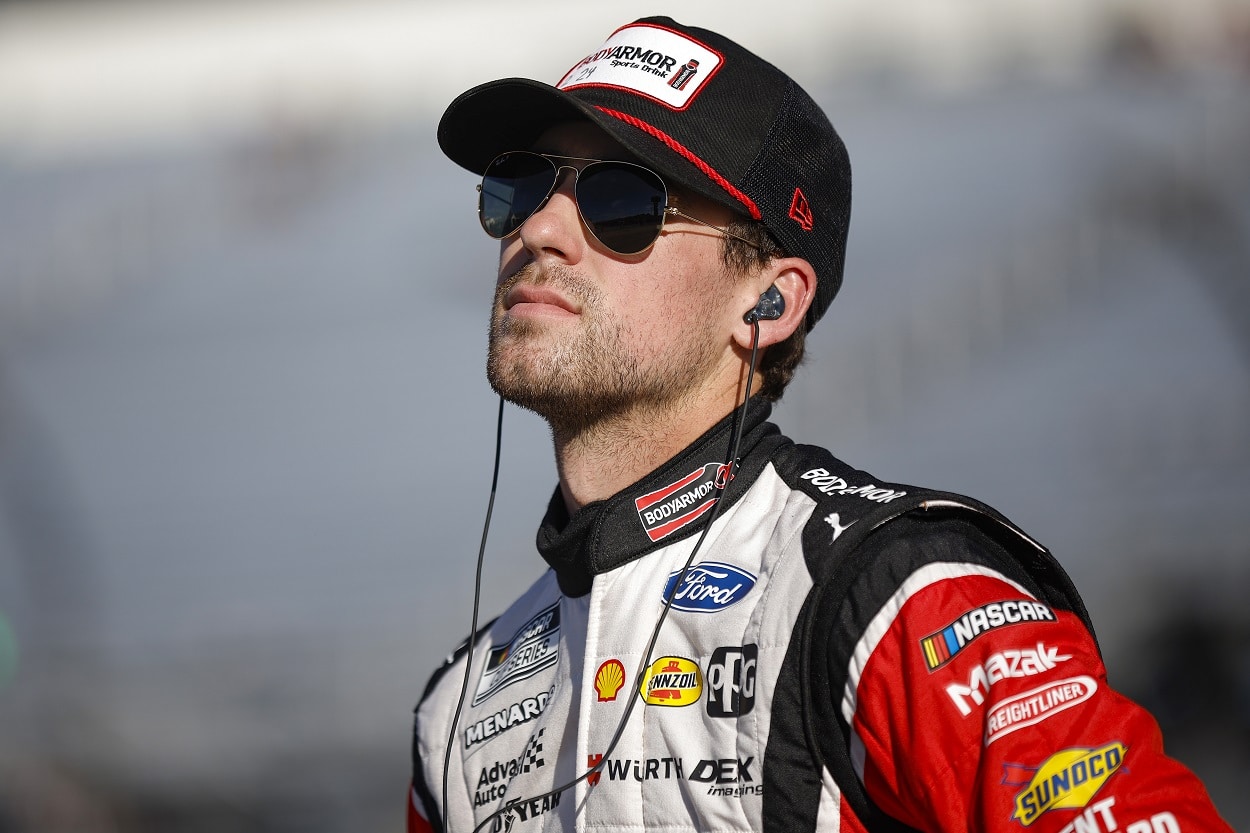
(701,110)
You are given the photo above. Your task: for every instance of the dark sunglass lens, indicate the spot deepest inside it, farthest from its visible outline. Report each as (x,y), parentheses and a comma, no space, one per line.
(622,204)
(513,187)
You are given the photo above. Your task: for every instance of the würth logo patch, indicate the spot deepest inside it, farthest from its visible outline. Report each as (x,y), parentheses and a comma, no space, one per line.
(801,210)
(667,510)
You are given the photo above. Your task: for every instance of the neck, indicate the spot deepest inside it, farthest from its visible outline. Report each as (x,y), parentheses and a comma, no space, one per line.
(598,460)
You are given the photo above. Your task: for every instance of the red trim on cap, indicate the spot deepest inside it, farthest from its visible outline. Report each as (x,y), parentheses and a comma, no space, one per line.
(683,151)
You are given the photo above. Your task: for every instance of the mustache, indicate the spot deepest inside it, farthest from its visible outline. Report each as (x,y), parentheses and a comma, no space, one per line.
(563,278)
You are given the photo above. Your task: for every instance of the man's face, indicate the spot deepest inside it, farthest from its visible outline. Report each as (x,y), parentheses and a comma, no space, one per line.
(580,333)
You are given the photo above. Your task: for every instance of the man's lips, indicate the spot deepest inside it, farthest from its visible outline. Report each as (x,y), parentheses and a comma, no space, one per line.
(537,298)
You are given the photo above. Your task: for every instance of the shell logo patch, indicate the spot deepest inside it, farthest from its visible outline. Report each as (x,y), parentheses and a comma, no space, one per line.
(609,679)
(1067,780)
(672,681)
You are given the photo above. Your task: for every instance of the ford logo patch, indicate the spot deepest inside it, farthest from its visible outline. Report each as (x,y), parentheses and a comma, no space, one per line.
(709,587)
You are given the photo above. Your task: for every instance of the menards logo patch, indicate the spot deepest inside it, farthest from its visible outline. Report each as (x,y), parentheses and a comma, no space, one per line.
(1066,780)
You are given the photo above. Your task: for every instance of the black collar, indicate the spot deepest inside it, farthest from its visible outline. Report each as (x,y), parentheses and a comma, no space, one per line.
(663,507)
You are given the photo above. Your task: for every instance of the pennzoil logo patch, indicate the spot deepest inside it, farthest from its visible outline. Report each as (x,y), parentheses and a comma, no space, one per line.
(672,681)
(1067,780)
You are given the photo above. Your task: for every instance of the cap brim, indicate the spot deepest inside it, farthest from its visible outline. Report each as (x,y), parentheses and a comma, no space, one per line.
(511,114)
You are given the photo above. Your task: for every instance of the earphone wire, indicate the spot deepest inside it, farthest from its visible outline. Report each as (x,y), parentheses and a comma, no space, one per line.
(730,464)
(477,598)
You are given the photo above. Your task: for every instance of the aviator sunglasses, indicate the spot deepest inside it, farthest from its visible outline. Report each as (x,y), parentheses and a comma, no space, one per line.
(623,205)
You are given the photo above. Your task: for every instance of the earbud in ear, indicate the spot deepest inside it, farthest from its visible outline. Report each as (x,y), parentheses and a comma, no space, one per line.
(769,308)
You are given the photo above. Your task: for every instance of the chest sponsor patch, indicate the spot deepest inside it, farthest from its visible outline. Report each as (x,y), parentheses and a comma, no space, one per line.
(730,777)
(1067,780)
(672,507)
(531,649)
(731,681)
(709,587)
(504,719)
(609,679)
(672,681)
(660,64)
(941,647)
(1034,706)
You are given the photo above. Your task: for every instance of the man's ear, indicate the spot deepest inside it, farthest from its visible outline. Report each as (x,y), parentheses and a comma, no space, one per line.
(795,279)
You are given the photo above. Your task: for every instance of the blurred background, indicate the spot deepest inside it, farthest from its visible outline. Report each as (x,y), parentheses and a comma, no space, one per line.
(245,439)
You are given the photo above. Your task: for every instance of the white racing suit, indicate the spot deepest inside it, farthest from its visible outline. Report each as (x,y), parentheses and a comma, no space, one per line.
(844,655)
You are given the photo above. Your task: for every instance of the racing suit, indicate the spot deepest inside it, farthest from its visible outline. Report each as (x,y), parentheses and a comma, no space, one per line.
(844,655)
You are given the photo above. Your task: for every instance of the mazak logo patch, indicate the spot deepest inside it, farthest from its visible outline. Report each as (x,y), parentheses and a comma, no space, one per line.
(672,681)
(531,649)
(667,510)
(1034,706)
(731,681)
(660,64)
(709,587)
(940,648)
(1004,665)
(1067,780)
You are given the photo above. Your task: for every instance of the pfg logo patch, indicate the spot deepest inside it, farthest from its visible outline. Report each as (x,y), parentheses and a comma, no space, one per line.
(667,510)
(731,681)
(531,649)
(709,587)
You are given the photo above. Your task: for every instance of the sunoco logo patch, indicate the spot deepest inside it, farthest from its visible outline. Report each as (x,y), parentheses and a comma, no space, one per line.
(667,510)
(1066,780)
(531,649)
(709,587)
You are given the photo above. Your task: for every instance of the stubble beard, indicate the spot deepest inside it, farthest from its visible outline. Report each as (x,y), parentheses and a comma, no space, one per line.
(590,377)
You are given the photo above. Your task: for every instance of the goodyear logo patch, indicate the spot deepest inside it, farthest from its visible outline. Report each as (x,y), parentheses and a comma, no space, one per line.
(941,647)
(1067,780)
(672,681)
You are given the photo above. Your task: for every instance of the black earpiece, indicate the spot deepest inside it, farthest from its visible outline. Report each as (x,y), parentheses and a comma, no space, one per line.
(769,308)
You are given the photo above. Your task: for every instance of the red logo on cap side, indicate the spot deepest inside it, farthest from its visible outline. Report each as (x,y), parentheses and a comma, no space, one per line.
(801,210)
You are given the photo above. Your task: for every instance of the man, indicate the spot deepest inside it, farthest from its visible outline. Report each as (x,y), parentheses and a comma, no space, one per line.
(738,632)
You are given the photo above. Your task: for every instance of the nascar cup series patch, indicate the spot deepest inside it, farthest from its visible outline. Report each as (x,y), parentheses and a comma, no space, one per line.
(663,65)
(535,646)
